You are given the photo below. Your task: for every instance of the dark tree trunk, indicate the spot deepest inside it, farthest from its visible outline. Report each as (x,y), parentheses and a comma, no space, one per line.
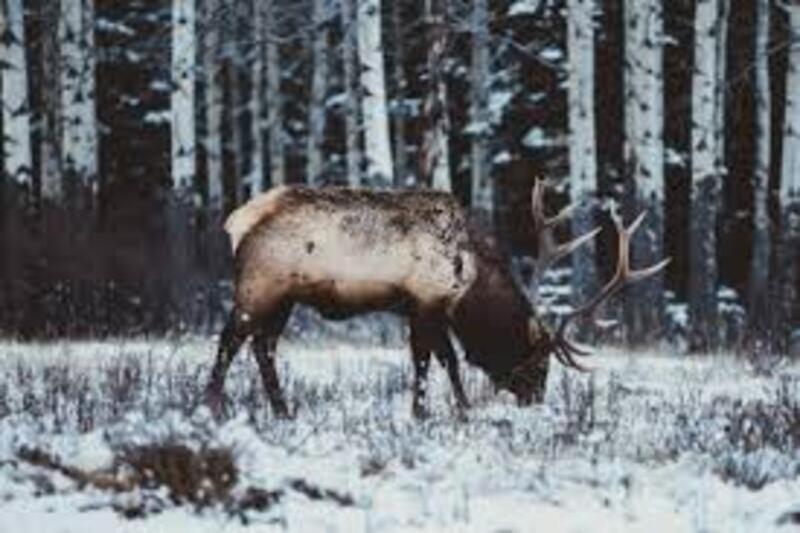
(584,266)
(704,315)
(787,283)
(645,303)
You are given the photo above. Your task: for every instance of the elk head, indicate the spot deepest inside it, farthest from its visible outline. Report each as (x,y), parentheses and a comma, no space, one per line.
(526,378)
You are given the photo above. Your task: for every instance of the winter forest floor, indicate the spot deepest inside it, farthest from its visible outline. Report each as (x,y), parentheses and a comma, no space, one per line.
(108,436)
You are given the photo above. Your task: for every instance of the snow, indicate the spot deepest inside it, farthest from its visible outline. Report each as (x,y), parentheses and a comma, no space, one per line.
(499,102)
(502,158)
(110,26)
(158,117)
(644,442)
(552,54)
(538,138)
(524,7)
(675,158)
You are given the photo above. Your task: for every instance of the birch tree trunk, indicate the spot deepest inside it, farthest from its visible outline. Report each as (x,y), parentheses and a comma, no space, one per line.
(582,146)
(435,153)
(644,302)
(759,304)
(77,102)
(88,108)
(14,97)
(401,171)
(183,150)
(183,95)
(482,182)
(235,101)
(52,186)
(319,88)
(722,65)
(213,103)
(378,150)
(352,111)
(703,311)
(254,180)
(788,242)
(277,152)
(214,243)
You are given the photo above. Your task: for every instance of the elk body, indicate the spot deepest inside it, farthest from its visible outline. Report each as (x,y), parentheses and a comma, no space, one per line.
(350,251)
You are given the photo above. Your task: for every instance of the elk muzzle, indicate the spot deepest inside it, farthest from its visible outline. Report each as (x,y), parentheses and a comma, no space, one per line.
(527,381)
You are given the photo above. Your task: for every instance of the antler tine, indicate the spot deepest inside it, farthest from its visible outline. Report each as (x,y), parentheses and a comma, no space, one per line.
(537,203)
(537,207)
(622,275)
(568,247)
(549,251)
(564,353)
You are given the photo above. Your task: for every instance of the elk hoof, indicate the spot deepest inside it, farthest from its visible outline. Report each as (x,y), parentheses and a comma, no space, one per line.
(216,404)
(280,411)
(462,410)
(419,412)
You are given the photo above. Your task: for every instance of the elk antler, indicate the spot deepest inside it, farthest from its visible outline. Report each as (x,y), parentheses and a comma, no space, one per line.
(549,250)
(563,348)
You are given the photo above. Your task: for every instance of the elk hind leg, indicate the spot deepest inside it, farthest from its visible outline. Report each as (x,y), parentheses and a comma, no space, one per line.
(264,344)
(233,335)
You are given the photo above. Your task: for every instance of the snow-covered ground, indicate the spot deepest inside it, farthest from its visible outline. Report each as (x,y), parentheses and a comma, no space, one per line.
(645,442)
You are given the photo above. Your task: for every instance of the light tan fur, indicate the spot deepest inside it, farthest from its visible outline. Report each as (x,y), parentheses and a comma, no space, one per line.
(346,252)
(244,218)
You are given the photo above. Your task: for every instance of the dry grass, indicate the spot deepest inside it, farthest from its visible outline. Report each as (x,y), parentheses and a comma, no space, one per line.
(622,411)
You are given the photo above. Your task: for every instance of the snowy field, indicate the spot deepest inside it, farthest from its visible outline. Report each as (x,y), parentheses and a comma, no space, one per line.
(109,437)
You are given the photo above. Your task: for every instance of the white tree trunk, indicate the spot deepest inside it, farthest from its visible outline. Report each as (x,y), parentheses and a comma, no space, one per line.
(788,242)
(14,97)
(88,109)
(78,114)
(352,112)
(183,94)
(214,102)
(378,148)
(402,176)
(435,156)
(52,186)
(722,65)
(704,92)
(482,182)
(235,100)
(644,70)
(645,100)
(277,152)
(703,311)
(790,168)
(759,305)
(319,87)
(582,146)
(254,180)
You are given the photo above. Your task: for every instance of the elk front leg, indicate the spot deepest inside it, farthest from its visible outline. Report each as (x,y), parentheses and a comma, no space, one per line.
(231,339)
(264,344)
(421,356)
(446,355)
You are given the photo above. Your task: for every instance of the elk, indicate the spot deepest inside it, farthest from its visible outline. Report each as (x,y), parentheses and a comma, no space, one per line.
(347,251)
